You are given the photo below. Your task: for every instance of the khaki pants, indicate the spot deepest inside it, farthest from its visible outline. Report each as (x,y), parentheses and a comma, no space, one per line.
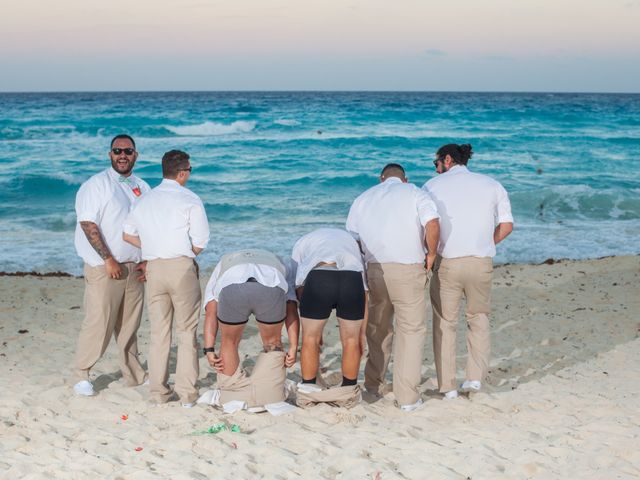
(264,386)
(173,292)
(112,307)
(396,290)
(453,278)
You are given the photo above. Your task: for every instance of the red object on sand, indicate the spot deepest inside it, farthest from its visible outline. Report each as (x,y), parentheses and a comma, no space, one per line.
(138,449)
(124,417)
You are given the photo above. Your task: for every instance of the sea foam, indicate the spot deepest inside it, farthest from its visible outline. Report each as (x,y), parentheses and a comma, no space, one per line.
(212,128)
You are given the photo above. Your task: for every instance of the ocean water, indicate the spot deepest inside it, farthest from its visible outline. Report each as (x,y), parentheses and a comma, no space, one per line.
(273,166)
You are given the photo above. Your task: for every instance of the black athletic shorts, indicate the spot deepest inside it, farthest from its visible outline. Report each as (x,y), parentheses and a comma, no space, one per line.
(325,290)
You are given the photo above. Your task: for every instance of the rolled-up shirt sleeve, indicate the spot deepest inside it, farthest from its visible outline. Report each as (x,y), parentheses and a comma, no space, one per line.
(198,226)
(130,226)
(88,204)
(209,294)
(503,207)
(427,209)
(352,222)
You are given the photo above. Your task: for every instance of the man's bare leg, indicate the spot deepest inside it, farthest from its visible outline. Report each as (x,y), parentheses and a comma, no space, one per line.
(271,335)
(311,340)
(351,350)
(231,336)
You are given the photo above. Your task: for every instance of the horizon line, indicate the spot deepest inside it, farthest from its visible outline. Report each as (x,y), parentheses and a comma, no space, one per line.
(552,92)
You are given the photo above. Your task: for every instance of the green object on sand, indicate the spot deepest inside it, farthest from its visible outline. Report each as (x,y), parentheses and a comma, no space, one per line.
(217,428)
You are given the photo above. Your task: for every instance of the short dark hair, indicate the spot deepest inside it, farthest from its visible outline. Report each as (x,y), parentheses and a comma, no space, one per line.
(173,161)
(392,170)
(123,135)
(460,154)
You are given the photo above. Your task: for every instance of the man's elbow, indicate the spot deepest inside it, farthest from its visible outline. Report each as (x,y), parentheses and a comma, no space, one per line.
(132,239)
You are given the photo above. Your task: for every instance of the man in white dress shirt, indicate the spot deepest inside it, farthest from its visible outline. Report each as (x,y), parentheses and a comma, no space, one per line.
(171,227)
(330,276)
(392,221)
(243,283)
(475,215)
(113,282)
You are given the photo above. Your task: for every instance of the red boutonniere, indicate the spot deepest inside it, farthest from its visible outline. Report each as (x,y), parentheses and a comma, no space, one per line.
(136,191)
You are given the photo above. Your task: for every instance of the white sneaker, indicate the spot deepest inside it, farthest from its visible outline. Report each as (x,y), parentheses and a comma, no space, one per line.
(451,394)
(84,388)
(188,405)
(471,386)
(413,407)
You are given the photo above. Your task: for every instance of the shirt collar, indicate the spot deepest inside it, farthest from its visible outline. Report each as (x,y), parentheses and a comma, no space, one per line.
(392,180)
(170,182)
(118,178)
(457,169)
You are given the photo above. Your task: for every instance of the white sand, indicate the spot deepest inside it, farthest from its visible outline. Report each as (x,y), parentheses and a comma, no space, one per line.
(561,401)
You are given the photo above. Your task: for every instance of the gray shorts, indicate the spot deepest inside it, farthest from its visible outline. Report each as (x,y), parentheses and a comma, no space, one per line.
(239,300)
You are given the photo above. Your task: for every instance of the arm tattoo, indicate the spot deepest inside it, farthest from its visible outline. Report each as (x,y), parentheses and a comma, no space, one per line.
(92,232)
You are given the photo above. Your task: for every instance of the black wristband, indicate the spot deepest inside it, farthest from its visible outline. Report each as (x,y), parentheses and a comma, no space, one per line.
(206,350)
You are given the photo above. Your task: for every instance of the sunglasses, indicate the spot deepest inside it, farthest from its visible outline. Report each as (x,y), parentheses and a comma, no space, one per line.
(127,151)
(186,169)
(436,161)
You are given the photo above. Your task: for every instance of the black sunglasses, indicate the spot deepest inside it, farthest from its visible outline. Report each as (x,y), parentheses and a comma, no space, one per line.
(186,169)
(127,151)
(436,161)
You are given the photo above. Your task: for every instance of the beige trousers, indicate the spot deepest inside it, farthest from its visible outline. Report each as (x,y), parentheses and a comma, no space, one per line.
(112,307)
(346,397)
(453,278)
(173,293)
(264,386)
(396,290)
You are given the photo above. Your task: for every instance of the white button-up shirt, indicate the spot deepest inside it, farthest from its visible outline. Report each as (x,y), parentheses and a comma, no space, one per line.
(327,245)
(389,221)
(264,274)
(106,199)
(169,220)
(470,206)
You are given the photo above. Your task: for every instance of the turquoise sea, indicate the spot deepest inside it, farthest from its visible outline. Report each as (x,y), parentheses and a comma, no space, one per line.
(273,166)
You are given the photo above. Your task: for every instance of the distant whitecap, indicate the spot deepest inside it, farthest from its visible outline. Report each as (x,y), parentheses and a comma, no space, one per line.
(213,128)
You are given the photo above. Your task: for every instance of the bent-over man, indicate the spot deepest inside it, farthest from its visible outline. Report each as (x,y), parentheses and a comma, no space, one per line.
(243,283)
(330,276)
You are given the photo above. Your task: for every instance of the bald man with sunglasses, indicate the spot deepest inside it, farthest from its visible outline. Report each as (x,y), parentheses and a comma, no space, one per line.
(113,277)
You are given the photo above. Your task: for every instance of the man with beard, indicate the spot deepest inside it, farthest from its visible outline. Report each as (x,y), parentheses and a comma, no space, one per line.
(113,275)
(475,215)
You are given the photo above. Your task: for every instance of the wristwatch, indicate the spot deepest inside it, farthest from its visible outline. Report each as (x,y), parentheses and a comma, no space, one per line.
(206,350)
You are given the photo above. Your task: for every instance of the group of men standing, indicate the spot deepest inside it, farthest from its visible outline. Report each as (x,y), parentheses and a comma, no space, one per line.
(374,274)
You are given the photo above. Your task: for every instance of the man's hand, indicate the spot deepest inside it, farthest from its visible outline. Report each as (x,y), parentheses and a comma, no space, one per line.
(114,269)
(142,268)
(215,361)
(291,356)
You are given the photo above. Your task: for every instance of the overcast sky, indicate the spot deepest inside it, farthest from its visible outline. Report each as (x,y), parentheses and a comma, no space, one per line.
(461,45)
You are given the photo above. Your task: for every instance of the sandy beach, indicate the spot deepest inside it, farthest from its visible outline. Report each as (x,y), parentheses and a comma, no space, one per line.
(562,399)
